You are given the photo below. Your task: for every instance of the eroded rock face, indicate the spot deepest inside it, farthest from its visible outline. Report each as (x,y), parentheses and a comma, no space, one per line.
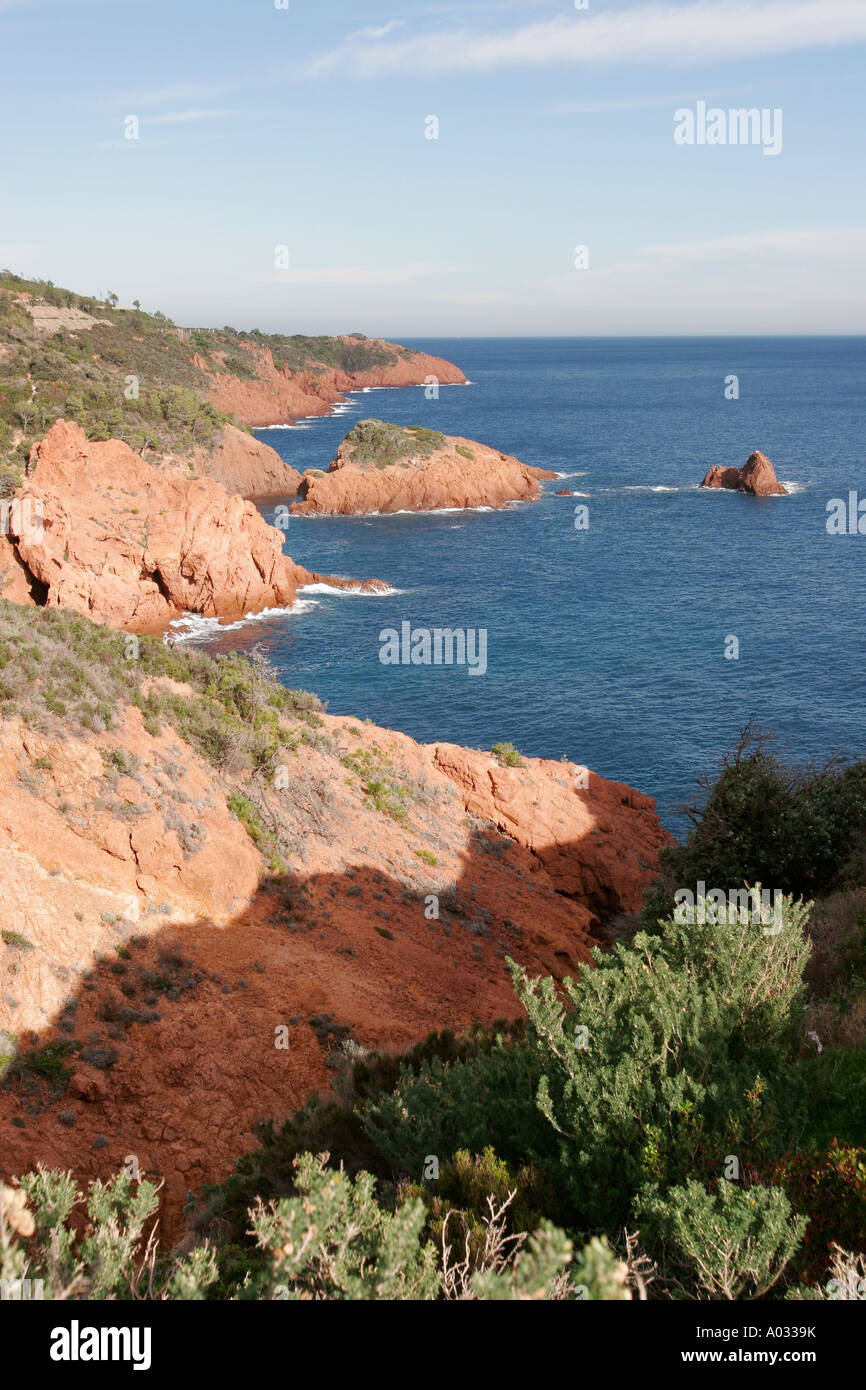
(134,546)
(757,476)
(247,467)
(138,926)
(599,841)
(279,396)
(460,474)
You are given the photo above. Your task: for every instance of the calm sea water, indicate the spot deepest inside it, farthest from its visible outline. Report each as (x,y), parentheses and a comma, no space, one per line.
(608,645)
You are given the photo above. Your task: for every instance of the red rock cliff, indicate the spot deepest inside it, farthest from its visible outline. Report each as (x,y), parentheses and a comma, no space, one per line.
(279,396)
(247,467)
(133,546)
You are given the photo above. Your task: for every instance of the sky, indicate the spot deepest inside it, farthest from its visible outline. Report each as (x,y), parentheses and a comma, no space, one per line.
(282,173)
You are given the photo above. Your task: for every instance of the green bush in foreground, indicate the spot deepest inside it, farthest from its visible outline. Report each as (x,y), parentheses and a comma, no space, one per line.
(114,1257)
(730,1243)
(333,1240)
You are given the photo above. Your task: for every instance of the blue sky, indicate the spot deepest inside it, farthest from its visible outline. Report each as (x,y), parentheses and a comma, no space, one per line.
(305,127)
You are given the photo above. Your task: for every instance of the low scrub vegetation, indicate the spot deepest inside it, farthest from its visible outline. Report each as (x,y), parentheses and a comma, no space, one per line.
(131,374)
(375,444)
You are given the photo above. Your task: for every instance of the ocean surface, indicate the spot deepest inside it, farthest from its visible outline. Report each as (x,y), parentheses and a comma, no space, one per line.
(606,645)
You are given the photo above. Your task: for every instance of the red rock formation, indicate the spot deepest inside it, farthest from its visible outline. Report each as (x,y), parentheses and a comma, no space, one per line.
(461,474)
(194,1068)
(134,546)
(757,476)
(247,467)
(564,492)
(279,396)
(599,841)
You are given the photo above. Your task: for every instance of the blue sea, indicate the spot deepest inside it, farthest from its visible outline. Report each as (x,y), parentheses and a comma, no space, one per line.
(607,645)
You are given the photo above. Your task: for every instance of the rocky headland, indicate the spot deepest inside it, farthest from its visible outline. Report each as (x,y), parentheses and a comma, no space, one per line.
(273,393)
(386,468)
(97,529)
(757,477)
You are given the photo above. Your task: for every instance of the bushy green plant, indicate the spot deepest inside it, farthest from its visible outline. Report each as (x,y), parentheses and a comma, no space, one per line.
(381,782)
(334,1241)
(731,1242)
(487,1100)
(507,755)
(674,1052)
(378,444)
(467,1184)
(108,1254)
(799,830)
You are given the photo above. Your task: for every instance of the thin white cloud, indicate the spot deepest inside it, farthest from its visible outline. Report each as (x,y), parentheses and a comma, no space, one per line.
(379,33)
(184,117)
(17,255)
(174,95)
(707,31)
(638,103)
(354,275)
(829,244)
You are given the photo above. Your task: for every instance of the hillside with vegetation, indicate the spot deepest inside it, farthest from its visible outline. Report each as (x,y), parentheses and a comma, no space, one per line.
(134,375)
(682,1116)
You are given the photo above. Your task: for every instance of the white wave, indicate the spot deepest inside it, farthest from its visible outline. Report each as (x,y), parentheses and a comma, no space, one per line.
(404,511)
(650,487)
(573,475)
(284,427)
(791,488)
(193,627)
(353,591)
(435,511)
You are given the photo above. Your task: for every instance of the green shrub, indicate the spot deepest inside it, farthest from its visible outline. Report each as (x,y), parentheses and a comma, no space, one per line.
(466,1186)
(486,1100)
(334,1241)
(11,478)
(676,1051)
(374,443)
(381,783)
(836,1083)
(796,830)
(507,755)
(105,1255)
(730,1243)
(14,938)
